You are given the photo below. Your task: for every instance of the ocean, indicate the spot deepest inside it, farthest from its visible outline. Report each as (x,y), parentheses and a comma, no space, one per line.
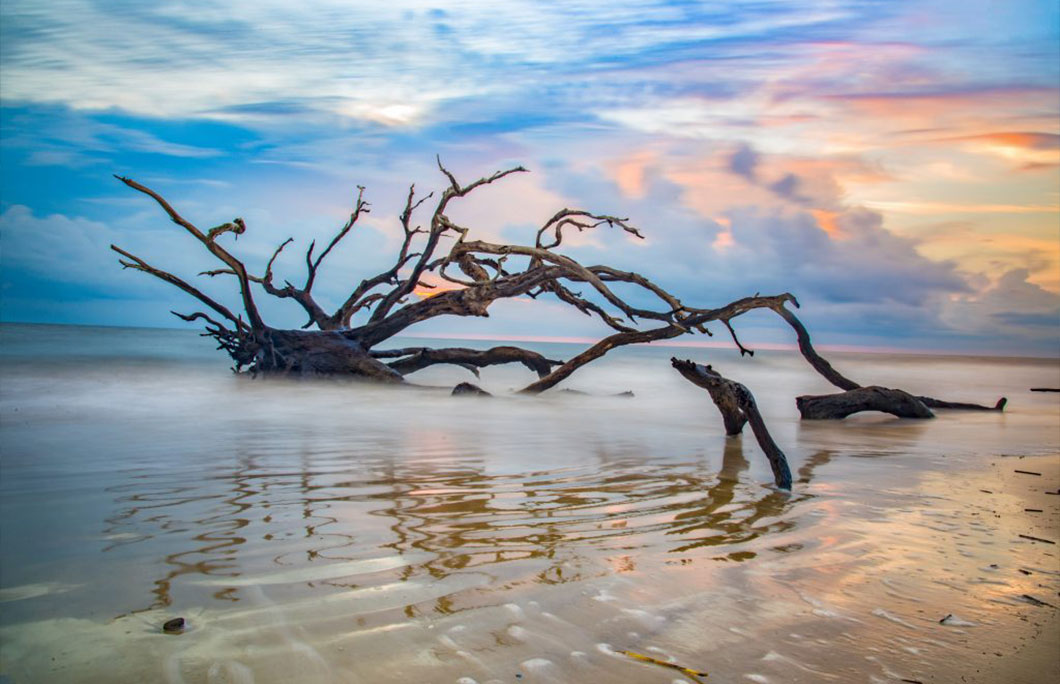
(335,531)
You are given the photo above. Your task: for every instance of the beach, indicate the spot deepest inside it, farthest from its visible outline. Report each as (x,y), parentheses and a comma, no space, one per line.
(339,532)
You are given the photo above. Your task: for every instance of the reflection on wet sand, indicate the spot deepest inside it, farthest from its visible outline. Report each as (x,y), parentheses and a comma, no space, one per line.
(550,526)
(359,557)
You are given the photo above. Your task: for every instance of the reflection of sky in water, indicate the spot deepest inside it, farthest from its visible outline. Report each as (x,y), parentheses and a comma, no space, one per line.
(330,515)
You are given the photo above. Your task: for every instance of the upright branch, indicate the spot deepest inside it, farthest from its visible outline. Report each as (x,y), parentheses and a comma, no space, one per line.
(737,406)
(722,392)
(303,295)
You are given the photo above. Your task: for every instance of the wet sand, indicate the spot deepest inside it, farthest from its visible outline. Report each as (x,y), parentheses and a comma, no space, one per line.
(337,533)
(838,590)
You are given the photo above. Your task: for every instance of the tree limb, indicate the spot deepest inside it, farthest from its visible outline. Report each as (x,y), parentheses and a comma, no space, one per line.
(412,359)
(210,242)
(139,264)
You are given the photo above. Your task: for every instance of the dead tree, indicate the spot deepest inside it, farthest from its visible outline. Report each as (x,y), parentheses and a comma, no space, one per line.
(737,406)
(346,339)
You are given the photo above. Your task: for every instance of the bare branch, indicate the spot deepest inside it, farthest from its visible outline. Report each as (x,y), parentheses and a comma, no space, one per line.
(901,403)
(722,392)
(209,241)
(360,207)
(597,350)
(139,264)
(732,331)
(440,225)
(267,278)
(567,217)
(809,353)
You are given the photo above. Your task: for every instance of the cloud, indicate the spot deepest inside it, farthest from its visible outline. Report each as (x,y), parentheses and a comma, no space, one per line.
(743,162)
(926,208)
(58,137)
(1012,308)
(391,63)
(773,146)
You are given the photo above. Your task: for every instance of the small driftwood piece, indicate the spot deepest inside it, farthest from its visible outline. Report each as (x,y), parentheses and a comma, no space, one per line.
(469,390)
(737,406)
(873,398)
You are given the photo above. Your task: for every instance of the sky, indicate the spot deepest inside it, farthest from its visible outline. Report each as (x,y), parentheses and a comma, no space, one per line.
(895,165)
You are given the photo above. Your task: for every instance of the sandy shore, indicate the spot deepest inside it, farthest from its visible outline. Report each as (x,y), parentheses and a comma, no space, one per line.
(1028,651)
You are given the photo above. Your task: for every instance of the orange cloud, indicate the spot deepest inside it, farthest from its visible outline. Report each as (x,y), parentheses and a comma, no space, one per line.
(1029,141)
(629,174)
(1030,149)
(929,110)
(432,287)
(827,221)
(933,208)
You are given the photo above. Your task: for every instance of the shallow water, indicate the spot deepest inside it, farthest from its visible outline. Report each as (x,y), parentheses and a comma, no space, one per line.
(331,531)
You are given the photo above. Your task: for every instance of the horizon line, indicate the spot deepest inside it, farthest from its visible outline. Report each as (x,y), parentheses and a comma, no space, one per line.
(672,343)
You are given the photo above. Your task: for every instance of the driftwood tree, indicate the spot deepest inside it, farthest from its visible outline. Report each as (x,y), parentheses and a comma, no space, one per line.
(347,340)
(476,274)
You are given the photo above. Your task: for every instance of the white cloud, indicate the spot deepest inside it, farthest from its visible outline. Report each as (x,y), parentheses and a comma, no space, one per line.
(390,62)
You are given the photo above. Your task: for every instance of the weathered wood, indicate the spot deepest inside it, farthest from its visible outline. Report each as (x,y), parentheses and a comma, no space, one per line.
(467,389)
(722,392)
(810,354)
(822,366)
(962,405)
(736,397)
(394,300)
(301,352)
(412,359)
(873,398)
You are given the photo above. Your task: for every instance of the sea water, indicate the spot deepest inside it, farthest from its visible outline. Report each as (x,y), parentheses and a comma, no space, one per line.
(339,531)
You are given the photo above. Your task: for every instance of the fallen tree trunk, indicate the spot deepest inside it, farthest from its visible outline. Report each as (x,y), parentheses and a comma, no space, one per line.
(821,365)
(835,406)
(303,352)
(737,406)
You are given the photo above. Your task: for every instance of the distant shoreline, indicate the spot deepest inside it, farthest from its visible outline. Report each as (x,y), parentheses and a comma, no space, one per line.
(838,349)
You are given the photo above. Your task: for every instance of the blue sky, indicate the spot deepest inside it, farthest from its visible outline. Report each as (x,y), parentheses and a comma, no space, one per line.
(894,165)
